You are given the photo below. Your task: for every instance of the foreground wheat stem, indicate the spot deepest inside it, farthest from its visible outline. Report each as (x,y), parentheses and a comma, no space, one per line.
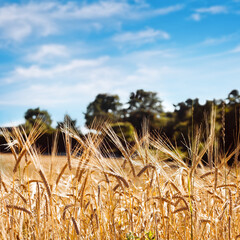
(100,199)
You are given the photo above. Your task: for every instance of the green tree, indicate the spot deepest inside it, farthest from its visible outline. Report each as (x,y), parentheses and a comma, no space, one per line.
(233,97)
(231,123)
(124,130)
(104,107)
(145,101)
(68,121)
(144,105)
(31,115)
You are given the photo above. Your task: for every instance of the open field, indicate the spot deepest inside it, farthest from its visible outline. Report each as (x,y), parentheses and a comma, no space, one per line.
(143,195)
(7,164)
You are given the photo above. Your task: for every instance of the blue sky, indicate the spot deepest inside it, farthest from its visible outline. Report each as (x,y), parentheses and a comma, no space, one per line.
(58,55)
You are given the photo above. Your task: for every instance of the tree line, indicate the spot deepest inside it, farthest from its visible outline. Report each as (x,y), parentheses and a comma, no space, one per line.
(179,126)
(125,118)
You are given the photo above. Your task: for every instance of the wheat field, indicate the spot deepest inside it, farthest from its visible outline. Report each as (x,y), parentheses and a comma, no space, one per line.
(148,193)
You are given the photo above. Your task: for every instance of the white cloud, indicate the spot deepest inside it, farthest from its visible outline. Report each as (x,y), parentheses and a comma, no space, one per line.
(147,75)
(147,55)
(215,41)
(18,21)
(107,9)
(77,82)
(50,95)
(196,17)
(236,49)
(145,36)
(48,51)
(13,123)
(212,10)
(70,68)
(170,9)
(102,9)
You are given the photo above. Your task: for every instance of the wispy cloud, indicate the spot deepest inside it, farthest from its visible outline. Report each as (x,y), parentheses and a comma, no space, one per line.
(48,51)
(215,41)
(13,123)
(213,10)
(141,37)
(18,21)
(56,71)
(78,81)
(196,17)
(98,10)
(236,49)
(167,10)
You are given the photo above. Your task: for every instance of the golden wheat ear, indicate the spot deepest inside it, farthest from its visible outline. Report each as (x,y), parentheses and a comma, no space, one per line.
(19,142)
(101,199)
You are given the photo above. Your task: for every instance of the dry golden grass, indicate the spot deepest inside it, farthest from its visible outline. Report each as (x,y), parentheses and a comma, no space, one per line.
(140,196)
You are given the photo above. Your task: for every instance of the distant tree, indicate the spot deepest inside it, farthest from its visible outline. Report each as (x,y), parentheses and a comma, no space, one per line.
(231,126)
(68,121)
(188,115)
(181,110)
(104,107)
(31,115)
(145,101)
(144,105)
(234,97)
(124,130)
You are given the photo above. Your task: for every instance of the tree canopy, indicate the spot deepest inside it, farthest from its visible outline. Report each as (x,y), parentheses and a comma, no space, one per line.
(67,120)
(32,114)
(177,125)
(104,107)
(143,105)
(145,101)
